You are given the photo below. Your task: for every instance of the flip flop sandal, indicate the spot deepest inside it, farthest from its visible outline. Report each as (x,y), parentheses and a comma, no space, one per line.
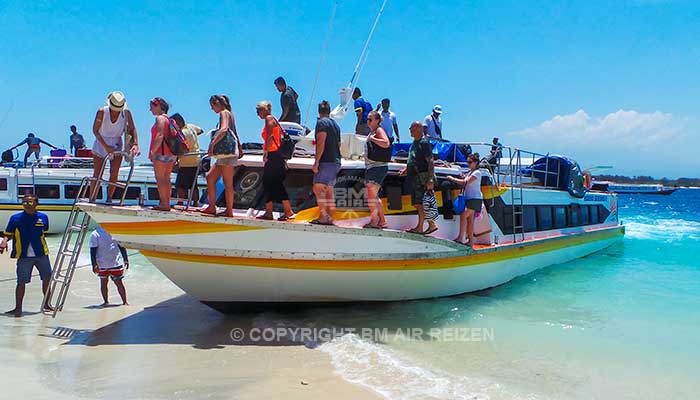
(430,230)
(371,226)
(265,217)
(286,218)
(207,212)
(414,230)
(319,222)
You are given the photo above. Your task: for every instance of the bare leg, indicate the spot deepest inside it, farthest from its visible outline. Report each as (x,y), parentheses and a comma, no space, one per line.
(227,172)
(19,297)
(470,226)
(45,290)
(371,203)
(330,202)
(114,166)
(212,176)
(97,167)
(104,290)
(421,217)
(320,193)
(287,208)
(122,291)
(462,227)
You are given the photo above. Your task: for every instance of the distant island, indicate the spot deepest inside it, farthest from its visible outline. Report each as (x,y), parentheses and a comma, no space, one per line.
(695,182)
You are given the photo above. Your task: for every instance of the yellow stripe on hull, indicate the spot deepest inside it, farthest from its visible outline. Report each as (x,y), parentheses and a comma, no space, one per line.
(479,258)
(170,227)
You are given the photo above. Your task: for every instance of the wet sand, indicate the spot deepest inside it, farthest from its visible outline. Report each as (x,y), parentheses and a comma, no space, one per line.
(165,345)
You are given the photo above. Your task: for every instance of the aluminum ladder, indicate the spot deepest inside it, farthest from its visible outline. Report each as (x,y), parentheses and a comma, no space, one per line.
(516,198)
(75,233)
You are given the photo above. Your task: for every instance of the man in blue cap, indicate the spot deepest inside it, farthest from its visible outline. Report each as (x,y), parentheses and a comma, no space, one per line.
(26,230)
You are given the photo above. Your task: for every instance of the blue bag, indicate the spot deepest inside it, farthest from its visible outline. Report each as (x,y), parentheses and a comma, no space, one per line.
(459,204)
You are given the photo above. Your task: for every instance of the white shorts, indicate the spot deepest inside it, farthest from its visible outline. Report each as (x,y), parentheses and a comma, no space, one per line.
(116,143)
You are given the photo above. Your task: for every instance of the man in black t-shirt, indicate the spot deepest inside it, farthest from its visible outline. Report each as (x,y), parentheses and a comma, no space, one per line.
(327,164)
(290,108)
(76,140)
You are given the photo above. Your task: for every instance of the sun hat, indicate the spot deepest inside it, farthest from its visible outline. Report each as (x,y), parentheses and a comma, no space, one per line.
(437,109)
(116,101)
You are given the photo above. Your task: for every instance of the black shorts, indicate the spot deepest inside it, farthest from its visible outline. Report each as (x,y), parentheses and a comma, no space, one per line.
(185,177)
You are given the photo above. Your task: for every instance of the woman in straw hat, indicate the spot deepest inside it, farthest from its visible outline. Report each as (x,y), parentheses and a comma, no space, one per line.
(111,124)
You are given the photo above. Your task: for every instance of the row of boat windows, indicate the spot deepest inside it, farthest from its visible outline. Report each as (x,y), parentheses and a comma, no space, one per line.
(43,191)
(542,218)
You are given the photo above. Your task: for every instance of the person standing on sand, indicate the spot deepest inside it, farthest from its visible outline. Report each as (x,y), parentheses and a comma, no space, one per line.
(26,229)
(108,261)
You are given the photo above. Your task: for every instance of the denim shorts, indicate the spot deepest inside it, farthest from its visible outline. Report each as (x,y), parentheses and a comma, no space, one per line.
(327,173)
(226,161)
(165,158)
(376,175)
(25,266)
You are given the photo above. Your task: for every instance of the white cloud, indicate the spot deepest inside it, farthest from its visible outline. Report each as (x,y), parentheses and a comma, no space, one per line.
(628,140)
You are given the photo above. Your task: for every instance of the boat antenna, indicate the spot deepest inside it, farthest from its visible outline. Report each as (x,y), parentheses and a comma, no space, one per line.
(320,61)
(345,93)
(4,118)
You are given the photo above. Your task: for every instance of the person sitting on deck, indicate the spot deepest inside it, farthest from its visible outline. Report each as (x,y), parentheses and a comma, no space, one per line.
(33,146)
(108,260)
(421,171)
(362,109)
(26,229)
(472,191)
(327,164)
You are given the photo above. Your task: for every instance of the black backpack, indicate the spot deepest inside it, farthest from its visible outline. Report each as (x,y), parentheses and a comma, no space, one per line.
(287,144)
(7,156)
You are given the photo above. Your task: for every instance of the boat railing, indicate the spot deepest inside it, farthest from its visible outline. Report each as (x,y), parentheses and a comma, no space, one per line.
(511,165)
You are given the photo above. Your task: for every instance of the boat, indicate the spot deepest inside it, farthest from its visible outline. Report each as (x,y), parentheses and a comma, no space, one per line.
(631,188)
(526,224)
(56,183)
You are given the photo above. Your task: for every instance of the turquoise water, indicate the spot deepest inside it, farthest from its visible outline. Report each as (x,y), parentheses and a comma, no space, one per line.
(623,323)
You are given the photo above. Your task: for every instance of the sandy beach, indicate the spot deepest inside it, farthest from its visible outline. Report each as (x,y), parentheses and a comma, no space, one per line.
(165,345)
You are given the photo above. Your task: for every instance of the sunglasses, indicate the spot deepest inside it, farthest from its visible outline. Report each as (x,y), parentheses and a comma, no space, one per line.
(28,203)
(471,162)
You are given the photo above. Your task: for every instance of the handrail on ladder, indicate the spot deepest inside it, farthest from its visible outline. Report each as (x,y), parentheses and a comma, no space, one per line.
(69,249)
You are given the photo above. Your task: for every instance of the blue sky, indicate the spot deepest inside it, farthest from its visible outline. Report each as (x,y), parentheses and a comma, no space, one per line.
(608,82)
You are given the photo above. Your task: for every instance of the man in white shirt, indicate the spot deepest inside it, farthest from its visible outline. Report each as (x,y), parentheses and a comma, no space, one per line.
(389,123)
(108,261)
(432,124)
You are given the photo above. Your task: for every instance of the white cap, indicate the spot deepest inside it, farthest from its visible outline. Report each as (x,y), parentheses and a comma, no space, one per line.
(437,109)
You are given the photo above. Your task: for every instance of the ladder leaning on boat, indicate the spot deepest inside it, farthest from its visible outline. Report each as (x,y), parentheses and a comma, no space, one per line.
(78,224)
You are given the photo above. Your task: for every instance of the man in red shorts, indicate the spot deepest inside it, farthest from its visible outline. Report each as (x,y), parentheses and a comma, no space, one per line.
(108,261)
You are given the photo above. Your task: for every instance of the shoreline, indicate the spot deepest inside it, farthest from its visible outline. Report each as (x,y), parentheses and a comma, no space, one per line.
(163,345)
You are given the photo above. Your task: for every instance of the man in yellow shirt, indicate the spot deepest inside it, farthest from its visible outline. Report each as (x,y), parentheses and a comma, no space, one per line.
(187,164)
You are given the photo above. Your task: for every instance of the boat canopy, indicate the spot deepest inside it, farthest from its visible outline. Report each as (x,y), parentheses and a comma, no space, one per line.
(558,171)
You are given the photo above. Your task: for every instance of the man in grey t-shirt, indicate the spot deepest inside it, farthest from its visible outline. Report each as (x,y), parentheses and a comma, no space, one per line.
(327,163)
(288,100)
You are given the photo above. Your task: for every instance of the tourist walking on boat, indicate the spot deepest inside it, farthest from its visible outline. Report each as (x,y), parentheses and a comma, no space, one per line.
(496,152)
(327,163)
(187,164)
(377,157)
(432,123)
(160,154)
(288,100)
(77,141)
(471,184)
(112,123)
(26,230)
(421,172)
(226,148)
(108,260)
(33,146)
(275,167)
(391,127)
(362,109)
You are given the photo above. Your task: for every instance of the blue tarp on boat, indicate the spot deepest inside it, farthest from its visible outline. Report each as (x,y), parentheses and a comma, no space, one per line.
(446,151)
(570,176)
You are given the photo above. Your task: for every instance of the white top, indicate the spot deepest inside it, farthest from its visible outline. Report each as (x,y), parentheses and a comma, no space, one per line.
(388,121)
(112,130)
(473,189)
(108,254)
(430,126)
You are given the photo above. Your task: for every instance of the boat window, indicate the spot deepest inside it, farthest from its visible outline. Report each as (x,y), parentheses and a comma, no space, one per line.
(3,183)
(574,215)
(153,194)
(544,217)
(593,211)
(392,190)
(47,191)
(529,219)
(559,217)
(132,193)
(22,190)
(249,190)
(70,191)
(584,215)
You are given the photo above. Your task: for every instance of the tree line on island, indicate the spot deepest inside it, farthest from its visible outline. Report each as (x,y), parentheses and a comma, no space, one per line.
(643,179)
